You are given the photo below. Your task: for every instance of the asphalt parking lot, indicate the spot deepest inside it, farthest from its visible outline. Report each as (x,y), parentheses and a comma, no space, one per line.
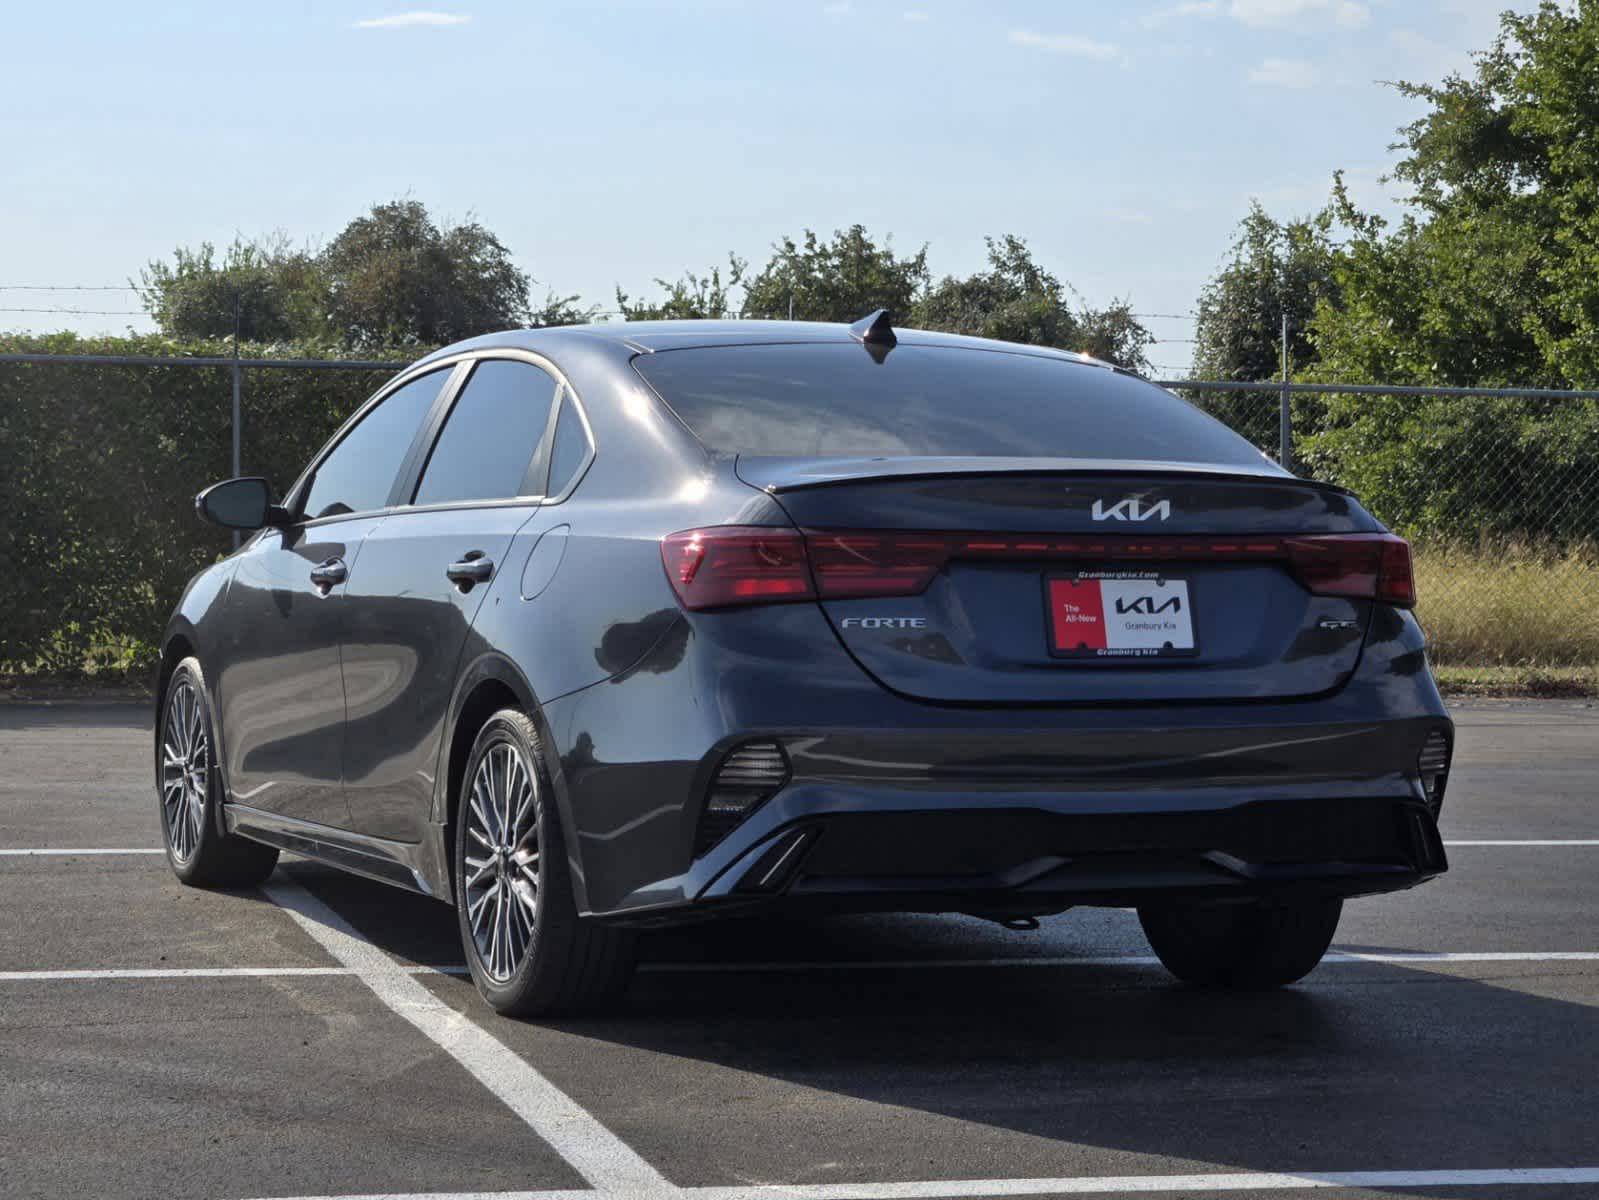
(312,1038)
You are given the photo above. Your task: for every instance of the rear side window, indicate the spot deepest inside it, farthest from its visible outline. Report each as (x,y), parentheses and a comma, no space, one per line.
(571,449)
(492,435)
(359,473)
(835,400)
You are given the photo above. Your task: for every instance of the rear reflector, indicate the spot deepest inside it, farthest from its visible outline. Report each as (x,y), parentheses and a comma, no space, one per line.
(1433,767)
(746,778)
(736,565)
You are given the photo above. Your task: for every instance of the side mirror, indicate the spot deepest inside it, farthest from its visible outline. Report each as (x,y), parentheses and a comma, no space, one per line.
(239,504)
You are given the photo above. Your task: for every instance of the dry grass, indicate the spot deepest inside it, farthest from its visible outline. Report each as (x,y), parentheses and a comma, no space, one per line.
(1511,604)
(1519,682)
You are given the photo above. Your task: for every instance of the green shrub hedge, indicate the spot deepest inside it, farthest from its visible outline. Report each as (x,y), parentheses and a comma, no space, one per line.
(99,466)
(1460,469)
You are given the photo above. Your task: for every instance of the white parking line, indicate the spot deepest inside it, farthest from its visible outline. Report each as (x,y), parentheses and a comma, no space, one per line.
(51,850)
(591,1149)
(1334,958)
(167,973)
(1101,1185)
(1526,842)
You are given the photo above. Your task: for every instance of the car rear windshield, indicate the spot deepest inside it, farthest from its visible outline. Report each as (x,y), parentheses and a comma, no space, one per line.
(835,400)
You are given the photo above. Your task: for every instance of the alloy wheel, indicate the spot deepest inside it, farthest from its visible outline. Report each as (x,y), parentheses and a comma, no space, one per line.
(502,860)
(185,770)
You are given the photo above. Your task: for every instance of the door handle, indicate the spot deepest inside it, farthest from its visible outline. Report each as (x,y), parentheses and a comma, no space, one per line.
(325,575)
(475,568)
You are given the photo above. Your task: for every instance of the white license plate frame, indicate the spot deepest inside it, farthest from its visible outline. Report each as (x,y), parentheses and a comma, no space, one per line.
(1120,616)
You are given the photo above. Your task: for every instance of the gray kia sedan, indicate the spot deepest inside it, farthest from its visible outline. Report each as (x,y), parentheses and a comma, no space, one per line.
(589,629)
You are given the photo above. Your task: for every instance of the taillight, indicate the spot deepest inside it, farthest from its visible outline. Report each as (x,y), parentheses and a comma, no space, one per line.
(851,565)
(737,564)
(1364,566)
(729,565)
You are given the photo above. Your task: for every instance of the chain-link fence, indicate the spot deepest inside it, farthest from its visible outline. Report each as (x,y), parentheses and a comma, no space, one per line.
(100,457)
(1497,489)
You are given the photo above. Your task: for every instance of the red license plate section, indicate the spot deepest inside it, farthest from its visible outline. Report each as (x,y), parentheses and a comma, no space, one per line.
(1119,614)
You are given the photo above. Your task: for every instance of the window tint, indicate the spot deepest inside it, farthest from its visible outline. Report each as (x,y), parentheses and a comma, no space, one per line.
(358,474)
(571,447)
(834,400)
(490,435)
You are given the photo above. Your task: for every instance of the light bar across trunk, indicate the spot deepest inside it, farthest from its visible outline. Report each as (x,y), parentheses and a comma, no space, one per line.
(731,565)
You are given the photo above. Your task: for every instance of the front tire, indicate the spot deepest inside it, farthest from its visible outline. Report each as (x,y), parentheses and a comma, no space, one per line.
(529,951)
(189,789)
(1242,945)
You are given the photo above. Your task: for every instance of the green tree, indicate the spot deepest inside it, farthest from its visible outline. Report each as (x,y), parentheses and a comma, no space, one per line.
(1275,268)
(397,278)
(1505,168)
(274,289)
(693,297)
(393,277)
(842,279)
(1491,277)
(561,310)
(1016,300)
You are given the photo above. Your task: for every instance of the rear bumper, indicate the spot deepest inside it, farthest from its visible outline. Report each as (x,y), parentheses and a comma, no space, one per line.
(897,805)
(818,847)
(1034,860)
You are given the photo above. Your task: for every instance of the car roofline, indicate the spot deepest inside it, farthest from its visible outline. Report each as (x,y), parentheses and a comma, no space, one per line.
(653,337)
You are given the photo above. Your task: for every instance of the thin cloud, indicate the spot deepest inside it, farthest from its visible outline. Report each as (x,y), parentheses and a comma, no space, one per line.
(917,15)
(1284,72)
(1064,43)
(1300,14)
(401,20)
(1161,17)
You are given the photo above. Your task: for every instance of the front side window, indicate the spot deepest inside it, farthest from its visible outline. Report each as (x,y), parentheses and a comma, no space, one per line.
(491,436)
(359,473)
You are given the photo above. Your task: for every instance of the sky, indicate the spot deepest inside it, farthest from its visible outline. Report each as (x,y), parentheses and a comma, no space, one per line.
(616,141)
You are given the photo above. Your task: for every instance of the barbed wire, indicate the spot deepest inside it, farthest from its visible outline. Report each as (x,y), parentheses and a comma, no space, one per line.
(134,287)
(84,312)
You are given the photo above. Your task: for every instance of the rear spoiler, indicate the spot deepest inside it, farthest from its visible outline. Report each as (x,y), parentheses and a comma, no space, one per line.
(778,475)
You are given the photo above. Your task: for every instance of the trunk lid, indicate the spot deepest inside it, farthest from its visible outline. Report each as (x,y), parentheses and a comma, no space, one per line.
(1086,582)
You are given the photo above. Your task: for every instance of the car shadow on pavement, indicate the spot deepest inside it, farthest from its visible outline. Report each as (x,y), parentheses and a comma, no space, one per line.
(1361,1067)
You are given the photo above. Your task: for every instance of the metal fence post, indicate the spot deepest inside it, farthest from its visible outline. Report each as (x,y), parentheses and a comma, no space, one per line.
(1285,433)
(237,373)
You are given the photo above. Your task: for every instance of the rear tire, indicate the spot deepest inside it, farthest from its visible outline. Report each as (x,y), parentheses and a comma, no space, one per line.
(1241,945)
(530,953)
(189,792)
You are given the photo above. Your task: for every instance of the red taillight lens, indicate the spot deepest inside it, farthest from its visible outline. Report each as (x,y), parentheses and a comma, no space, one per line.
(1364,566)
(737,564)
(852,565)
